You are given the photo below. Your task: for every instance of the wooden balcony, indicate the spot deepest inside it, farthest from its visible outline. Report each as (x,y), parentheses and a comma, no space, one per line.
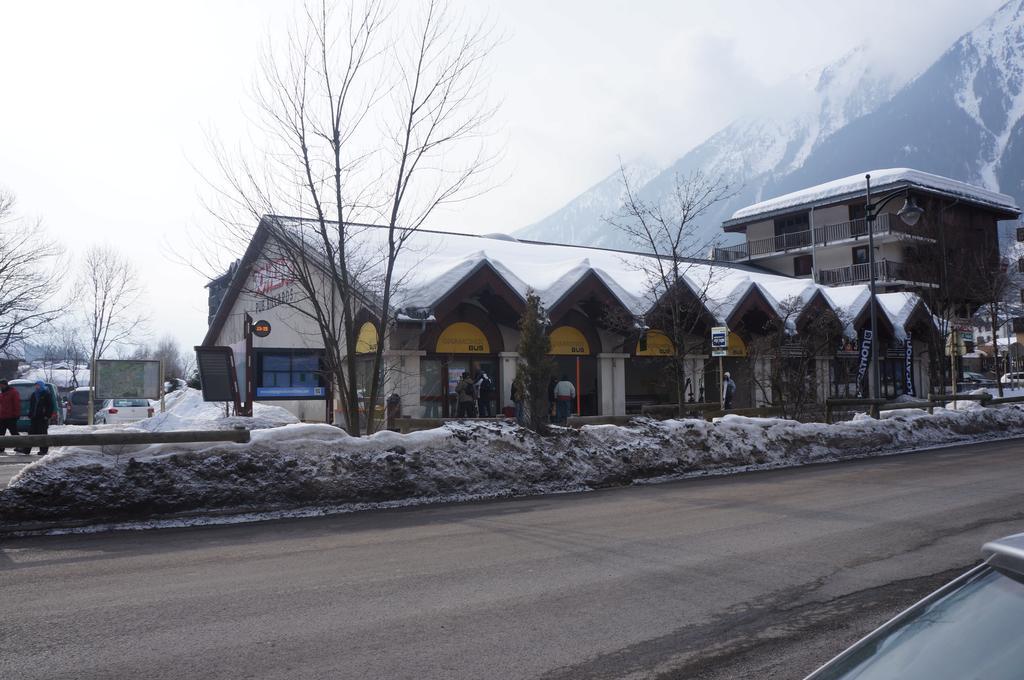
(802,240)
(886,271)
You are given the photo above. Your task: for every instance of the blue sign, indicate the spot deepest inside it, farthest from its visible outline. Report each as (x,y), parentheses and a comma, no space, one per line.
(290,392)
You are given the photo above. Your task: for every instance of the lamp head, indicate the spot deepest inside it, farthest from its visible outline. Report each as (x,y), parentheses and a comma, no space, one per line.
(911,212)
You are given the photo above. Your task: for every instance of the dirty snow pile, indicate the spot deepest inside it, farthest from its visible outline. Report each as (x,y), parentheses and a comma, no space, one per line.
(311,465)
(186,410)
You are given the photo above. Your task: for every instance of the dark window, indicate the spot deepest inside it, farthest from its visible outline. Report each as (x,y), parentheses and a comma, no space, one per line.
(1020,265)
(791,224)
(802,265)
(80,398)
(860,255)
(1020,234)
(289,368)
(857,211)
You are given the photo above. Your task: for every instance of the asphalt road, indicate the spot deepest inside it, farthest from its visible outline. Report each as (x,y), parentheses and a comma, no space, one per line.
(762,575)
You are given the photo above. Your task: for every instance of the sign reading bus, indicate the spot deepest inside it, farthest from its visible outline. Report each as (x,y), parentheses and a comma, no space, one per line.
(719,341)
(568,341)
(463,338)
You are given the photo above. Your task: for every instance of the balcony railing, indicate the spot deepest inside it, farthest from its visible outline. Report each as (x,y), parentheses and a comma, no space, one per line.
(829,233)
(885,271)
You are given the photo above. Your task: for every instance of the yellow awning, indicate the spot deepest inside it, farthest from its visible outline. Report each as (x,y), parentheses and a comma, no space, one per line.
(568,341)
(658,345)
(366,341)
(463,338)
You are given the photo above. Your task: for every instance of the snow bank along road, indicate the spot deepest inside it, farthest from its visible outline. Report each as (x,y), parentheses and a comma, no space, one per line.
(755,575)
(310,465)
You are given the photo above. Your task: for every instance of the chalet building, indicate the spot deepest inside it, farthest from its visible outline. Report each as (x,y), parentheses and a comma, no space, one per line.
(458,302)
(821,234)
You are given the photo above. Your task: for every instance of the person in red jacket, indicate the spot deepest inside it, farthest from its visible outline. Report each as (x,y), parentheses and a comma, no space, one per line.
(10,409)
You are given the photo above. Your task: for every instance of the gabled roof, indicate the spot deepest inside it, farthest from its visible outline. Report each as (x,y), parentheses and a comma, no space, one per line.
(842,190)
(435,265)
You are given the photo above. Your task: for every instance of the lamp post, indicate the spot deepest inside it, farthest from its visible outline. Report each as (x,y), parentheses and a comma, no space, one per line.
(910,213)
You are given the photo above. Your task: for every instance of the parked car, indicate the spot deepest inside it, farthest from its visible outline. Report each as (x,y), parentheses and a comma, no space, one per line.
(78,407)
(969,628)
(1016,378)
(123,411)
(973,381)
(25,389)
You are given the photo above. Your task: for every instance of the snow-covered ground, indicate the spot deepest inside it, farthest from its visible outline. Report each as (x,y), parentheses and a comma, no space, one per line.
(319,466)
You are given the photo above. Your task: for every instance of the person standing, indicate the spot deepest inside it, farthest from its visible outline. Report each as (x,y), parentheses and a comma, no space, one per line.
(519,398)
(10,410)
(40,409)
(465,393)
(484,394)
(565,392)
(728,392)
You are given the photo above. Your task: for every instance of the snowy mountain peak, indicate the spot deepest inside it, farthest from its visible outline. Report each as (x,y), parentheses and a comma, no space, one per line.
(961,116)
(991,84)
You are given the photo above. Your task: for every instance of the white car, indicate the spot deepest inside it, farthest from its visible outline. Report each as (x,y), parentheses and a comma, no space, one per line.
(123,411)
(1016,378)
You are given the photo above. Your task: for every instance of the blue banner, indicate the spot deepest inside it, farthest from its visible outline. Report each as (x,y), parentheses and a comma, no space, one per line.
(909,364)
(290,392)
(865,361)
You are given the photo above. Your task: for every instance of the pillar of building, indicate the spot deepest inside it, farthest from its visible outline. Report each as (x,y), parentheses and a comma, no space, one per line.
(823,378)
(507,371)
(611,383)
(402,375)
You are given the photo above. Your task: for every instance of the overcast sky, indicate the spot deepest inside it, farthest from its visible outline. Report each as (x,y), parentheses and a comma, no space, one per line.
(106,105)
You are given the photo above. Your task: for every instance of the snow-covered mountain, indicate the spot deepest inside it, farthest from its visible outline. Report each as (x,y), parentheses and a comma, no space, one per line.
(577,221)
(961,117)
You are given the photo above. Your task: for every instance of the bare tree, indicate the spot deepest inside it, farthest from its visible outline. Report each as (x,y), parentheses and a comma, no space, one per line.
(111,294)
(367,116)
(30,281)
(996,282)
(789,347)
(65,350)
(667,228)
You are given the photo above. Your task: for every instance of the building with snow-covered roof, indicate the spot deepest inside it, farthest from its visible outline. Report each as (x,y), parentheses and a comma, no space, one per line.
(820,233)
(457,302)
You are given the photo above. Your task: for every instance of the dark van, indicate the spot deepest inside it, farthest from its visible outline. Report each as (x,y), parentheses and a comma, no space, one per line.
(25,389)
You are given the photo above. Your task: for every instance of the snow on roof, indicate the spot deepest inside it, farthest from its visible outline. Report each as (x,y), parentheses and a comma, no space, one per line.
(898,307)
(433,263)
(880,179)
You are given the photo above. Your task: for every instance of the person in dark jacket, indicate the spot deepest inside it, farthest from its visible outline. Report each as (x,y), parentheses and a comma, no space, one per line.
(40,409)
(728,392)
(484,393)
(466,395)
(10,410)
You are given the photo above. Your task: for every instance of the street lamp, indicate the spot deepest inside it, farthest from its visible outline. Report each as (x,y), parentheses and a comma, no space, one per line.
(910,213)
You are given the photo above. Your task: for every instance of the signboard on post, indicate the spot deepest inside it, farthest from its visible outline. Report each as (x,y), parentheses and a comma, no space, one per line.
(217,373)
(261,328)
(719,341)
(127,379)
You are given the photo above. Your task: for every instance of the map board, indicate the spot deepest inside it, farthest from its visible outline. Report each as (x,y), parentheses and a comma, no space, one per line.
(217,373)
(127,379)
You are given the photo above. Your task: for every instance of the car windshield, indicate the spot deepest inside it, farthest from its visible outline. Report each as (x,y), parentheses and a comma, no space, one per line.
(128,403)
(971,632)
(79,398)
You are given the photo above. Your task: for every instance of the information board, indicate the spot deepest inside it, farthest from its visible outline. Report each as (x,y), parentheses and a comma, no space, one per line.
(719,341)
(217,373)
(127,379)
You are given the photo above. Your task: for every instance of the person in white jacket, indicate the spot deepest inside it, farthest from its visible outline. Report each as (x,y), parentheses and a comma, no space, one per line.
(565,392)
